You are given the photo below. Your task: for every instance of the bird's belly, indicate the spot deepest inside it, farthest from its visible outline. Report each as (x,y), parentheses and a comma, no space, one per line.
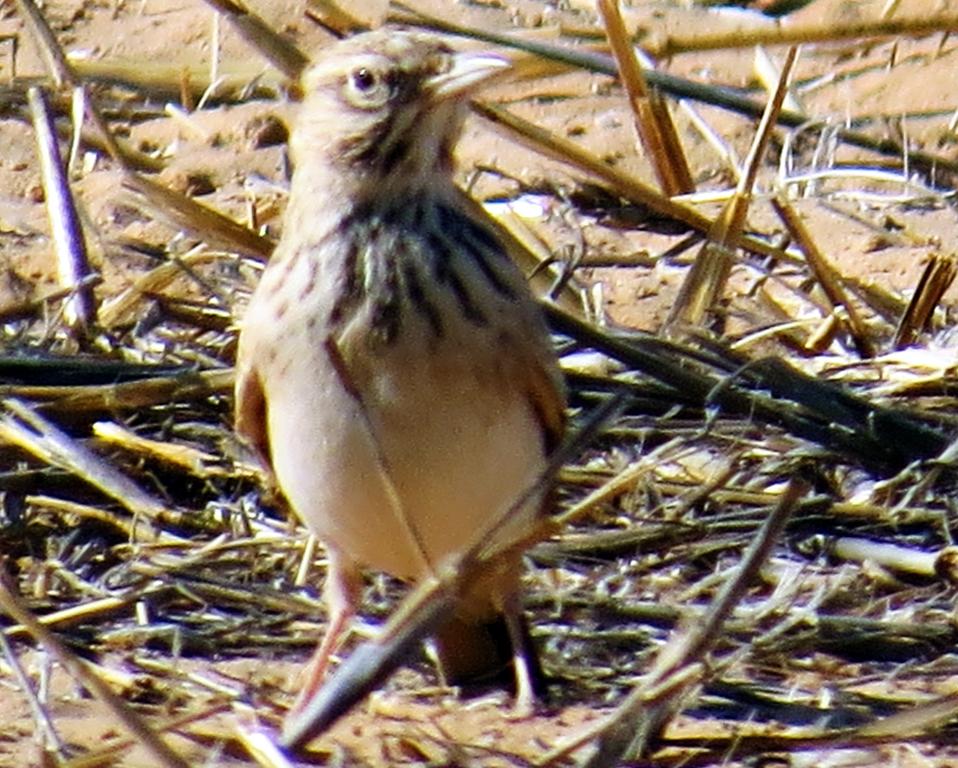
(422,469)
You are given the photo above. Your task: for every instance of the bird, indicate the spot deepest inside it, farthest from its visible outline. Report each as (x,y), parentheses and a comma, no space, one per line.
(395,374)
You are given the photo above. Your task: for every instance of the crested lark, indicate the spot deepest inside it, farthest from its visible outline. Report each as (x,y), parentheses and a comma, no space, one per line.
(394,371)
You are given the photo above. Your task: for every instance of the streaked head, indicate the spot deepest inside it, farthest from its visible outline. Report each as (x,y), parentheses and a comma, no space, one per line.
(386,106)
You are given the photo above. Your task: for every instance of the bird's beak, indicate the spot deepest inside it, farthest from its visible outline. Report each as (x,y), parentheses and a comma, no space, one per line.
(468,71)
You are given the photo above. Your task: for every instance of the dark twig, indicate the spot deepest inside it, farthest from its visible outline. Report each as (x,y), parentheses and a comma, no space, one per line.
(73,266)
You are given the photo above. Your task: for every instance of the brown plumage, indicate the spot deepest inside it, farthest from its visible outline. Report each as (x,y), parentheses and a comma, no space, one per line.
(394,372)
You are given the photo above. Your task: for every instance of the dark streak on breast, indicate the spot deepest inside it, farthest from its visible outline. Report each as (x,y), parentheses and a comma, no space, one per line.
(385,318)
(479,243)
(469,309)
(444,254)
(441,254)
(310,285)
(417,295)
(353,278)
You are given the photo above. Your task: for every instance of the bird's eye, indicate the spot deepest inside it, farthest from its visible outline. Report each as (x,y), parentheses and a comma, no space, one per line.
(364,79)
(367,88)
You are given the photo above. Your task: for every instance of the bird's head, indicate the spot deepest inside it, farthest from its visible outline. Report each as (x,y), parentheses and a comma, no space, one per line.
(382,110)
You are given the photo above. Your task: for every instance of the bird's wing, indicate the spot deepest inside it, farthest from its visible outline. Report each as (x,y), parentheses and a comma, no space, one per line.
(251,411)
(535,370)
(537,375)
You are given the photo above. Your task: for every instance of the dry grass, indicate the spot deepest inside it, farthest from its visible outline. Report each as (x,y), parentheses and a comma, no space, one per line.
(752,560)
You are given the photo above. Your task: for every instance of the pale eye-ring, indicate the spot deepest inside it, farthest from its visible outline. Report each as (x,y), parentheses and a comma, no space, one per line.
(366,87)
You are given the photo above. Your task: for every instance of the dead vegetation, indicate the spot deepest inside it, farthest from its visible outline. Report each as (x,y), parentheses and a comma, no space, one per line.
(752,559)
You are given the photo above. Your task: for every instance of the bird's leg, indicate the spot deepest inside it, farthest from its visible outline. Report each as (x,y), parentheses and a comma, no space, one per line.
(523,656)
(343,591)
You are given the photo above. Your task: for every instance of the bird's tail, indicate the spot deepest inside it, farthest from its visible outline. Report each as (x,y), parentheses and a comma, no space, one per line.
(480,651)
